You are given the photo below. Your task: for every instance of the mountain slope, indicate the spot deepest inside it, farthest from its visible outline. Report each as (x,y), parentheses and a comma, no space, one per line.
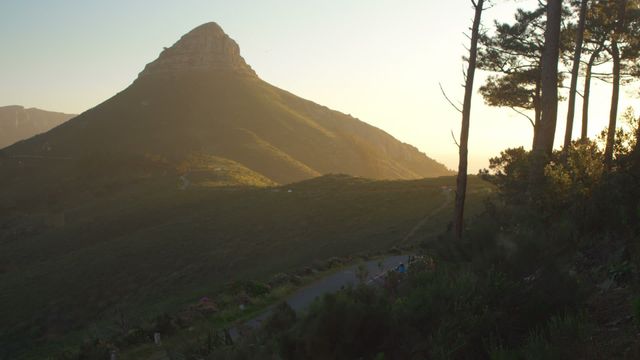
(18,123)
(200,96)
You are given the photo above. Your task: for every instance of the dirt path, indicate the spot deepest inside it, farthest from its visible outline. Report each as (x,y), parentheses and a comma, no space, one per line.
(448,198)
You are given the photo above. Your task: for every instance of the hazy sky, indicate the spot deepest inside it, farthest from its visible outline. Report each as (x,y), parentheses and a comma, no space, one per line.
(379,60)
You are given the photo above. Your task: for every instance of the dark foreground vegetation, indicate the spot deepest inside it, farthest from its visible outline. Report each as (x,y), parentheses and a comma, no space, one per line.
(553,277)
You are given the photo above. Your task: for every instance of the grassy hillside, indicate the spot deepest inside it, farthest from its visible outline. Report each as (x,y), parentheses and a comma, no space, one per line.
(243,119)
(148,246)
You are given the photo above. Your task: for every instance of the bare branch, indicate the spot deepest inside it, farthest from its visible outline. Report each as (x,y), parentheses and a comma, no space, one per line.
(449,100)
(525,115)
(454,139)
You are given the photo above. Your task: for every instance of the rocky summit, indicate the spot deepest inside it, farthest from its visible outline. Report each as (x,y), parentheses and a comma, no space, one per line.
(204,49)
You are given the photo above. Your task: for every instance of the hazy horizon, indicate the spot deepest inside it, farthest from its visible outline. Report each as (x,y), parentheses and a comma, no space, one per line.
(377,60)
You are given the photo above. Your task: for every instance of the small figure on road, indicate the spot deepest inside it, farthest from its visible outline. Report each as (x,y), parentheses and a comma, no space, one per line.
(401,269)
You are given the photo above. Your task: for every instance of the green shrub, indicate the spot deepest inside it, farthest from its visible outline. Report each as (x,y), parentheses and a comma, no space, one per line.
(561,338)
(281,319)
(636,310)
(134,336)
(95,350)
(279,280)
(621,271)
(165,324)
(498,352)
(350,324)
(251,288)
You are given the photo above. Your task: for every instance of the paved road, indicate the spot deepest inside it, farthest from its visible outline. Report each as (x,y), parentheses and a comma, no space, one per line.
(302,298)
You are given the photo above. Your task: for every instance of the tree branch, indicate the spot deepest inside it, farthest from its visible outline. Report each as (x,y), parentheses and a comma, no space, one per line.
(525,115)
(449,100)
(454,139)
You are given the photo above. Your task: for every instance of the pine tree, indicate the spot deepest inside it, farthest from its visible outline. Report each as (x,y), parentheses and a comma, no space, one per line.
(545,129)
(461,181)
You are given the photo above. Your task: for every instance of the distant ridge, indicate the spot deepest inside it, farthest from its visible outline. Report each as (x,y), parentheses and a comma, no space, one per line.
(200,97)
(18,123)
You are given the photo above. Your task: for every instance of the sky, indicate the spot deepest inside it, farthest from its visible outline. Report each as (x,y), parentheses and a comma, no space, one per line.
(379,60)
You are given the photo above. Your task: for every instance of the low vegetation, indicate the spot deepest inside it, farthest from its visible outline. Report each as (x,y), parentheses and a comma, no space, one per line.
(144,246)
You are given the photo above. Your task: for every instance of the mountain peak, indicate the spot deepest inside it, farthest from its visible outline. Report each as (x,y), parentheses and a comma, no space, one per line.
(207,48)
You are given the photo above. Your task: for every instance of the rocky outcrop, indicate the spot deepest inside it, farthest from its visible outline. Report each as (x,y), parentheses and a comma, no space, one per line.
(207,48)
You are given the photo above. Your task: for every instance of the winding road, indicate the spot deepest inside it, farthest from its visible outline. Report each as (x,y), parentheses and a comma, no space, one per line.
(302,298)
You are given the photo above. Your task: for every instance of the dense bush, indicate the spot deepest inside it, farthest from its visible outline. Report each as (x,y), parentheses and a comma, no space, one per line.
(636,310)
(559,339)
(445,312)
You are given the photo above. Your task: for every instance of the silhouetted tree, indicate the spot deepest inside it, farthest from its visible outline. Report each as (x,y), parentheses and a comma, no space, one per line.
(596,36)
(611,28)
(545,129)
(512,53)
(586,93)
(461,181)
(574,74)
(623,46)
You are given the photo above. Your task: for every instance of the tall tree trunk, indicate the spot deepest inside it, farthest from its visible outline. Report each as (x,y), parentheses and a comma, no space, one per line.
(587,93)
(613,113)
(461,181)
(536,107)
(574,76)
(546,129)
(615,92)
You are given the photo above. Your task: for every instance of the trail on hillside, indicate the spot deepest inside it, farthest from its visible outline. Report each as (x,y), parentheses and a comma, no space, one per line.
(448,199)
